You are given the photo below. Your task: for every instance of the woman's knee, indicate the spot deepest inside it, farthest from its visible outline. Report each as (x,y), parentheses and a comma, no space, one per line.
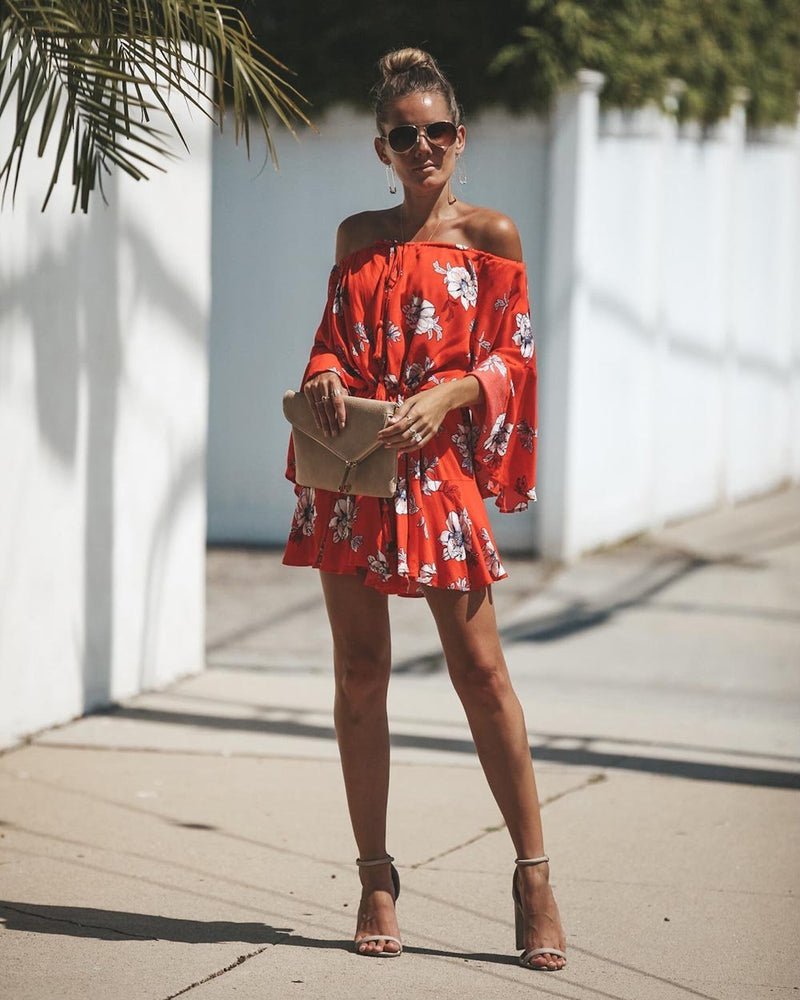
(482,684)
(362,670)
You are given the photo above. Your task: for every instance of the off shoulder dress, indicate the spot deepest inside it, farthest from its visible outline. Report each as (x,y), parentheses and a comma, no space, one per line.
(399,319)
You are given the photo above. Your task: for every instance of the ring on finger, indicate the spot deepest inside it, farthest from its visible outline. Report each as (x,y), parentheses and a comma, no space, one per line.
(336,392)
(323,399)
(417,436)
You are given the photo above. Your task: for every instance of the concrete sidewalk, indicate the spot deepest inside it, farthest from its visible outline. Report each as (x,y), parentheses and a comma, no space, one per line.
(195,841)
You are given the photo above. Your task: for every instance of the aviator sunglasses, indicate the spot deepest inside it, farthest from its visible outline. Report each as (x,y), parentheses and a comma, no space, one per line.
(405,137)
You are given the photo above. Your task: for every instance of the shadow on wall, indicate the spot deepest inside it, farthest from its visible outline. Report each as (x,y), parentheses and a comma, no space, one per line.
(79,308)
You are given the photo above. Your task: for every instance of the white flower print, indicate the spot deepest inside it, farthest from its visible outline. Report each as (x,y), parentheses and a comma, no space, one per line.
(356,542)
(344,514)
(305,513)
(427,572)
(484,344)
(456,539)
(526,435)
(501,303)
(401,496)
(494,363)
(498,438)
(414,373)
(462,583)
(404,502)
(379,565)
(490,555)
(452,539)
(421,317)
(424,469)
(466,439)
(461,282)
(402,562)
(364,334)
(336,307)
(393,332)
(524,335)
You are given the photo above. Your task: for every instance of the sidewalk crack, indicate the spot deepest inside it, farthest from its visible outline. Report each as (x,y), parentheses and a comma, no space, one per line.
(220,972)
(593,779)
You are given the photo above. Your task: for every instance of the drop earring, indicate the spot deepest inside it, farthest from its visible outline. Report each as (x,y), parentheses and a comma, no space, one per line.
(391,179)
(461,173)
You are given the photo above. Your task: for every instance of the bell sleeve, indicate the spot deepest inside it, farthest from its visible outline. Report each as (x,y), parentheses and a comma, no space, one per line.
(505,421)
(330,349)
(329,352)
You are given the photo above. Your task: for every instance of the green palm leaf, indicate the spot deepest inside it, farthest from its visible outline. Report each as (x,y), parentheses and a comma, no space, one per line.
(96,75)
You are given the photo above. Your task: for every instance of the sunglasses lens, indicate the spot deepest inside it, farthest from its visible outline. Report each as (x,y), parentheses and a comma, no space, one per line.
(442,133)
(402,138)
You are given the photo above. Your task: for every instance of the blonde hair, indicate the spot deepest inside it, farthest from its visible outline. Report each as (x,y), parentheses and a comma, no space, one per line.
(411,71)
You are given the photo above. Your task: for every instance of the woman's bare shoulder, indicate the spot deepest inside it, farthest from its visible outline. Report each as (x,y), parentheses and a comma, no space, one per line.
(362,230)
(494,232)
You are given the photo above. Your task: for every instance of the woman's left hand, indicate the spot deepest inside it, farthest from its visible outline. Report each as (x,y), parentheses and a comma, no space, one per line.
(418,419)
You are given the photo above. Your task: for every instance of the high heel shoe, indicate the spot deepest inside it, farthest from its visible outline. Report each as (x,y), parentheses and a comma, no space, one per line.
(369,863)
(519,921)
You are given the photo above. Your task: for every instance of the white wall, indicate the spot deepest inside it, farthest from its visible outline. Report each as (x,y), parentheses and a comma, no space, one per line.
(103,402)
(663,269)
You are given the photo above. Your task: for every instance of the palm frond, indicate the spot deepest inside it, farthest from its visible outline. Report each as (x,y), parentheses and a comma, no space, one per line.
(105,71)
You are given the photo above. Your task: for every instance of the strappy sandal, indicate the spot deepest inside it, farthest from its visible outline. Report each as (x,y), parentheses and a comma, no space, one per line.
(370,863)
(519,921)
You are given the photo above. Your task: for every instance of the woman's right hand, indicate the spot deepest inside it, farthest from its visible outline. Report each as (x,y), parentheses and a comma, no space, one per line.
(325,392)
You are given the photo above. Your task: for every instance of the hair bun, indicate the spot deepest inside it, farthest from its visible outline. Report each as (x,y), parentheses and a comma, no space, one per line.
(403,60)
(411,71)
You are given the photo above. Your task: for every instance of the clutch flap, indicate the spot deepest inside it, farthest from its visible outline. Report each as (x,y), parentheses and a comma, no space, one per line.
(358,437)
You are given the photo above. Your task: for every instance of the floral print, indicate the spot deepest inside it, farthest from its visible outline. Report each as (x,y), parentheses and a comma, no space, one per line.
(344,513)
(490,555)
(400,319)
(461,282)
(497,442)
(421,317)
(465,439)
(524,335)
(305,513)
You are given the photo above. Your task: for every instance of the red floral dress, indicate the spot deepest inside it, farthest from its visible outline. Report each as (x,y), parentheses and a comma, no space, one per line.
(401,318)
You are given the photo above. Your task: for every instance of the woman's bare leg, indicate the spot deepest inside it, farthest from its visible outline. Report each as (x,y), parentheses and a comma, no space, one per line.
(359,620)
(468,631)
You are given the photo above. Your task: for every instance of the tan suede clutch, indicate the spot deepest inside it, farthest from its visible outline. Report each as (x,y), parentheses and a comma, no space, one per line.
(353,461)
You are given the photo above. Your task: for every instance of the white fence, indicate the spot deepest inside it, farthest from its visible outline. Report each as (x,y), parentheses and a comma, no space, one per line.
(103,400)
(663,270)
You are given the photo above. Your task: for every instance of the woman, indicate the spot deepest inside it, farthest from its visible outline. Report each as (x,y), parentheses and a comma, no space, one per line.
(427,306)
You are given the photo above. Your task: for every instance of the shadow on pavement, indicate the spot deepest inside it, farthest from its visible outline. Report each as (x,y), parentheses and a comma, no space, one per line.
(114,925)
(576,756)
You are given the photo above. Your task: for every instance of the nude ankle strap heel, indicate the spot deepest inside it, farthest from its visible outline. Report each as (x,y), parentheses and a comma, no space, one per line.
(387,859)
(519,919)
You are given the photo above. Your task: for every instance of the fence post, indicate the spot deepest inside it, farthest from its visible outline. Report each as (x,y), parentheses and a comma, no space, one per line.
(570,184)
(734,130)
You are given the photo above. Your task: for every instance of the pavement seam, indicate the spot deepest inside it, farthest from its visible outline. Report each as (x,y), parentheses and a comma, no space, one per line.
(219,972)
(593,779)
(76,923)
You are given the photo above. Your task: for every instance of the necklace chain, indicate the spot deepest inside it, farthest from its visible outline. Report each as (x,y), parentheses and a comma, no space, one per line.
(428,238)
